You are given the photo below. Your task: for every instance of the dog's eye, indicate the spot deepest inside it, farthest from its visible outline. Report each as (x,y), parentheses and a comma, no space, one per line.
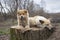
(19,14)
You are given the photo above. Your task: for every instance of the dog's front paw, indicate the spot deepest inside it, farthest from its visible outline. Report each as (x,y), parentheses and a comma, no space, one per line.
(20,27)
(27,26)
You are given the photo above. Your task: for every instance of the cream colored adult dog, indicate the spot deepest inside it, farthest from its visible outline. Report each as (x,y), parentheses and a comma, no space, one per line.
(22,18)
(40,21)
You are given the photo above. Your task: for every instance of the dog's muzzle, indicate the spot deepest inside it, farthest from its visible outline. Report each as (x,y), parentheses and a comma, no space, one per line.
(22,17)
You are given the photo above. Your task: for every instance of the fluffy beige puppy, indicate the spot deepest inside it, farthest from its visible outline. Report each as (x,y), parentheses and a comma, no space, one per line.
(22,18)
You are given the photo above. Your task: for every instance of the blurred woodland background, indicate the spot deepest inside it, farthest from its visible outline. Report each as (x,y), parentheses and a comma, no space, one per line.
(9,7)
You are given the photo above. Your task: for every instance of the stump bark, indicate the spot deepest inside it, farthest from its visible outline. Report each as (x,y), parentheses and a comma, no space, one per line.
(29,34)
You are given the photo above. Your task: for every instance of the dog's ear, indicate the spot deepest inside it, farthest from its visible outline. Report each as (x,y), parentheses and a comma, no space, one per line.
(41,21)
(25,11)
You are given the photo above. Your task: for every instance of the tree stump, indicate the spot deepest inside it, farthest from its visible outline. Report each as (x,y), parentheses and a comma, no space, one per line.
(29,34)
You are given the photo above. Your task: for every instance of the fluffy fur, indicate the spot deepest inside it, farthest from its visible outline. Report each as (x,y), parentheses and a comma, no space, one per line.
(40,21)
(22,18)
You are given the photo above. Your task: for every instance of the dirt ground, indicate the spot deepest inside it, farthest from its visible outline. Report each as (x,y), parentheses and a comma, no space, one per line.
(55,35)
(4,37)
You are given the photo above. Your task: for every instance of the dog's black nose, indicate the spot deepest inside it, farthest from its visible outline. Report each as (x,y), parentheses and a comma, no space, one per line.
(21,17)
